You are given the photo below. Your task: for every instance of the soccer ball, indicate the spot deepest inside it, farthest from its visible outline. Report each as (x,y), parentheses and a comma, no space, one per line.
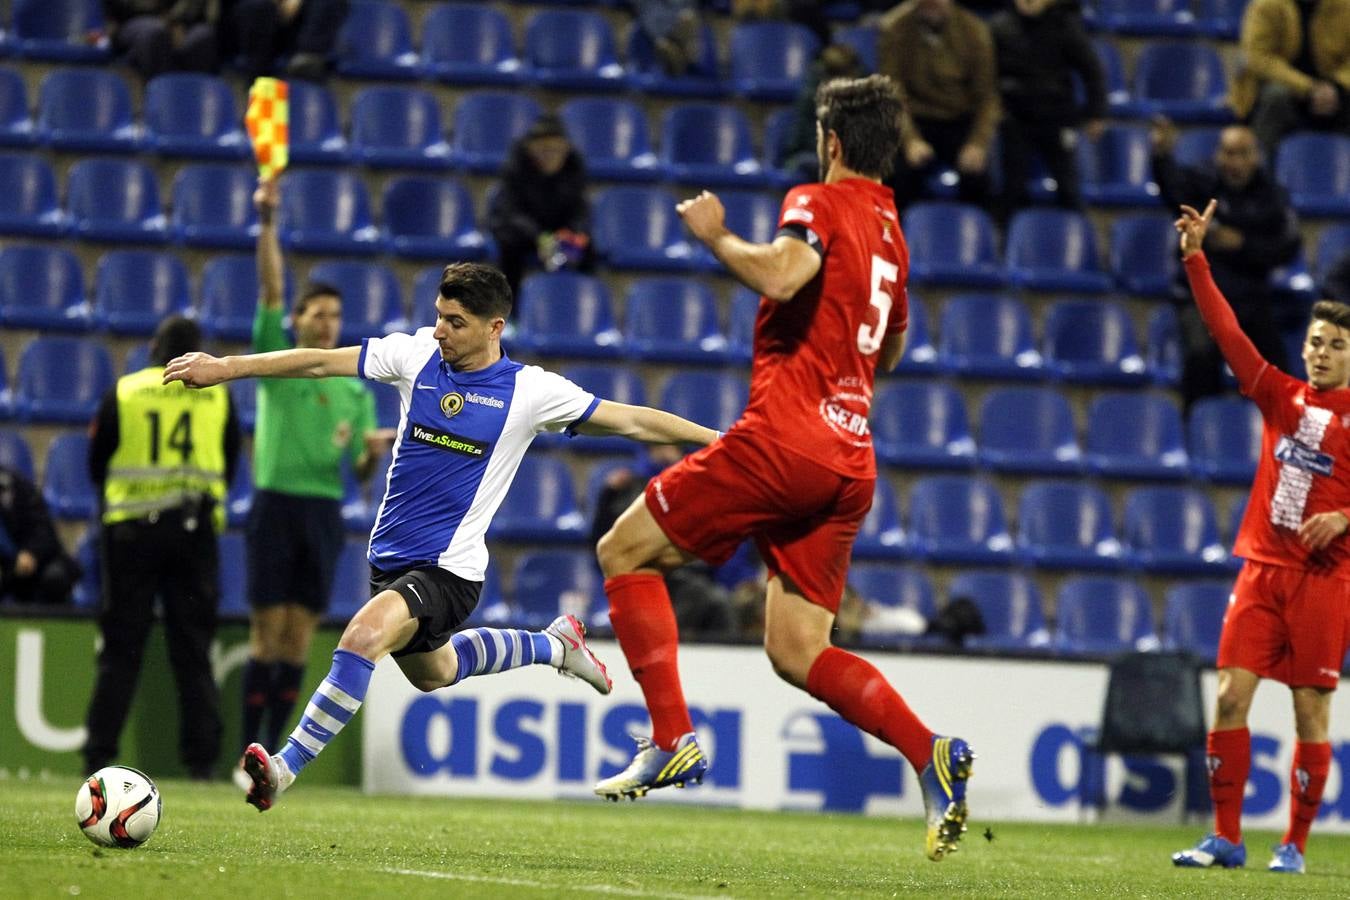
(118,807)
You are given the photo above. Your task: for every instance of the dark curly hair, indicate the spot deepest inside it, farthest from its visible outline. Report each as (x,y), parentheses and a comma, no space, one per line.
(865,114)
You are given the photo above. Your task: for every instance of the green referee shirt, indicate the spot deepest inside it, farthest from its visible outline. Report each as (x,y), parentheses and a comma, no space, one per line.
(305,425)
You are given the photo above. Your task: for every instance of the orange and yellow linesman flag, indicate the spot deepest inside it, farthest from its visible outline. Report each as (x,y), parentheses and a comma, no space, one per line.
(267,121)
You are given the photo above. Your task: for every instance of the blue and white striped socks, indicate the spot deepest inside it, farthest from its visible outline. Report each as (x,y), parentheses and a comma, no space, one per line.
(332,706)
(482,651)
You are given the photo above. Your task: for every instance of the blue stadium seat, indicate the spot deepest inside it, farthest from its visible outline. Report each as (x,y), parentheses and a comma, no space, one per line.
(541,506)
(315,135)
(611,135)
(42,287)
(28,198)
(1225,439)
(921,357)
(550,583)
(672,320)
(432,218)
(1163,354)
(1193,614)
(239,494)
(1117,168)
(244,398)
(1183,80)
(1028,430)
(486,125)
(62,379)
(713,399)
(770,60)
(87,110)
(710,144)
(426,288)
(376,42)
(138,357)
(229,296)
(778,126)
(1136,435)
(233,575)
(1067,525)
(572,50)
(115,200)
(372,301)
(863,40)
(1221,19)
(1011,606)
(327,212)
(1103,614)
(568,314)
(1144,254)
(135,289)
(741,324)
(1146,18)
(361,499)
(887,587)
(1234,520)
(1092,342)
(881,536)
(469,43)
(213,206)
(1173,530)
(398,127)
(59,30)
(1054,250)
(988,336)
(620,384)
(952,243)
(648,75)
(1315,168)
(88,593)
(922,423)
(1196,146)
(16,125)
(388,407)
(1113,69)
(194,115)
(637,228)
(8,400)
(15,453)
(66,486)
(1332,244)
(958,520)
(351,582)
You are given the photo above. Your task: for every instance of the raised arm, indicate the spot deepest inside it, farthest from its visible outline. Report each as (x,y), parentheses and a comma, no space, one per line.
(777,270)
(1242,356)
(271,278)
(642,423)
(203,370)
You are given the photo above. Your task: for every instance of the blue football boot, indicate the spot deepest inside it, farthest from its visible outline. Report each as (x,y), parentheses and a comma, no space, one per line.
(1212,851)
(943,782)
(1287,859)
(654,768)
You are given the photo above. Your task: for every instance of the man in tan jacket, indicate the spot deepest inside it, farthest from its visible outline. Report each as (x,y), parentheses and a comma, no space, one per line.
(942,57)
(1296,68)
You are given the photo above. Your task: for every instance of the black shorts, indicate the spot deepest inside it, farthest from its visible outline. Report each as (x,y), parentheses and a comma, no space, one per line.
(293,548)
(440,601)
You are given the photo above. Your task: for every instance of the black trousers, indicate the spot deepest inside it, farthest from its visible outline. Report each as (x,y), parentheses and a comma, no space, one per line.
(1053,144)
(176,560)
(946,138)
(1202,362)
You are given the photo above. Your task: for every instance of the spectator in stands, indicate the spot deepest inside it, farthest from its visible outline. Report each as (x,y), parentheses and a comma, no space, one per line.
(1296,68)
(1336,285)
(942,57)
(155,36)
(673,27)
(799,155)
(1041,45)
(1255,232)
(703,608)
(540,213)
(34,567)
(258,33)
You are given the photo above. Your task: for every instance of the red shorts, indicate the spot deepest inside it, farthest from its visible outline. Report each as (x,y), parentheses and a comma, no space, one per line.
(1287,624)
(802,516)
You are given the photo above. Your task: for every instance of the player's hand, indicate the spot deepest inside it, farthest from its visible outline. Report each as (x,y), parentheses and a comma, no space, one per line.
(918,153)
(1225,238)
(1192,227)
(1318,531)
(25,564)
(266,198)
(704,215)
(1093,129)
(1323,99)
(972,159)
(197,370)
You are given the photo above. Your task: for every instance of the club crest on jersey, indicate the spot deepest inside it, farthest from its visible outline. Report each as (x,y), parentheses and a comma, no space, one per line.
(1300,456)
(451,404)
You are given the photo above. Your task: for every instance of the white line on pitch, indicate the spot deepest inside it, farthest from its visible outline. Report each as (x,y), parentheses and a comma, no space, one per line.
(520,882)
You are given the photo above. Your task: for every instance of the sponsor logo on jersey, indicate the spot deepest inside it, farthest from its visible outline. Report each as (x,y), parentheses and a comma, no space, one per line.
(484,400)
(846,414)
(444,440)
(1292,453)
(451,404)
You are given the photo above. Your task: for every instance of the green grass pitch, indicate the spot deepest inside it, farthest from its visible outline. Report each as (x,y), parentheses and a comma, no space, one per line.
(337,843)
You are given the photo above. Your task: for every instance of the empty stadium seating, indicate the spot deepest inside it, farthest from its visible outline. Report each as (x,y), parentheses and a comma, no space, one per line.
(115,200)
(956,519)
(988,336)
(541,506)
(1103,615)
(568,314)
(432,218)
(61,380)
(213,206)
(42,287)
(1028,430)
(572,50)
(136,289)
(188,114)
(87,110)
(398,127)
(1067,525)
(672,320)
(922,423)
(1010,605)
(1193,616)
(611,135)
(469,43)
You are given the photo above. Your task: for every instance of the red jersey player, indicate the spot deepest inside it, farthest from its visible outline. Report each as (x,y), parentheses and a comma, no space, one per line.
(797,471)
(1289,614)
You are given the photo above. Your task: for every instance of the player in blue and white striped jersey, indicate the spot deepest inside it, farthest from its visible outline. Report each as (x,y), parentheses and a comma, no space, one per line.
(468,414)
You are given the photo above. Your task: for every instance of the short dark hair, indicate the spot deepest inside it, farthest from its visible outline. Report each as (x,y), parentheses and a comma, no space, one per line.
(174,336)
(482,290)
(1332,311)
(312,291)
(865,114)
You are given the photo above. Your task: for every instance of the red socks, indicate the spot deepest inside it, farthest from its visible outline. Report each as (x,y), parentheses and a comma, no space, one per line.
(644,623)
(1307,778)
(852,687)
(1230,761)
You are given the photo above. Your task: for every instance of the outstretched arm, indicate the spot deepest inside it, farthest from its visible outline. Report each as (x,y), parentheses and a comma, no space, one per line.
(203,370)
(642,423)
(1242,356)
(777,270)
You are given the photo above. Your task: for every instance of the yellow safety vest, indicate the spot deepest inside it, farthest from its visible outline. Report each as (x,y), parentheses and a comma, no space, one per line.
(170,448)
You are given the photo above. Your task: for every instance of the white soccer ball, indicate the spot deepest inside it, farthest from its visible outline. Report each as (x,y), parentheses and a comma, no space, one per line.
(118,806)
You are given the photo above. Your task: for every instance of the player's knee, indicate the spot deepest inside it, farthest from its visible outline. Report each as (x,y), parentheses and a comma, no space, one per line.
(788,659)
(612,554)
(1233,702)
(362,638)
(427,685)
